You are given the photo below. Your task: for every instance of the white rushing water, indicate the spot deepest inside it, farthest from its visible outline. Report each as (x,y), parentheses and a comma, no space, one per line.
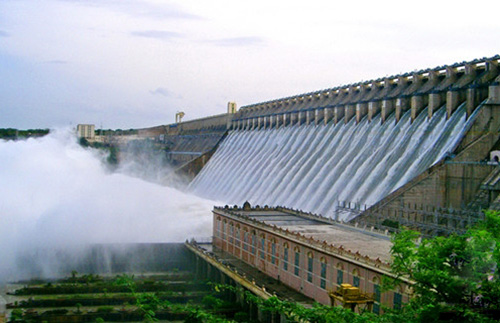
(56,195)
(312,167)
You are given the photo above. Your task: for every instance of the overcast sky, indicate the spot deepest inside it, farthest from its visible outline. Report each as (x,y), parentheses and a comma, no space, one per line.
(135,63)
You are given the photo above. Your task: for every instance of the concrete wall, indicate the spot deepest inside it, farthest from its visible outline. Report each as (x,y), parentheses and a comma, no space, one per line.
(208,124)
(452,183)
(190,144)
(196,126)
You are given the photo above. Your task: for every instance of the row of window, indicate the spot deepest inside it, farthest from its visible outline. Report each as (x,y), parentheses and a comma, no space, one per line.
(249,243)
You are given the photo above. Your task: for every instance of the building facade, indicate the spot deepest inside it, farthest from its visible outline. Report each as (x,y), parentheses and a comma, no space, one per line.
(307,254)
(86,131)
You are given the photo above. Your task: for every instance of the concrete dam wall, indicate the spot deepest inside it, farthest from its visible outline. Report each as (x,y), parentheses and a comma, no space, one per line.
(312,167)
(357,143)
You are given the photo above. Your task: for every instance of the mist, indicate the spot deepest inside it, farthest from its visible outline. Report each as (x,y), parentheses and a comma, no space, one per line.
(56,195)
(143,160)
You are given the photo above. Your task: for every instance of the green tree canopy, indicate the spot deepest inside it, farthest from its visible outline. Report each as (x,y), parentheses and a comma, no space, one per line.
(456,274)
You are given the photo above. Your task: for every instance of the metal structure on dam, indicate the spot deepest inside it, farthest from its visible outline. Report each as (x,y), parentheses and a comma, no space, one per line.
(398,148)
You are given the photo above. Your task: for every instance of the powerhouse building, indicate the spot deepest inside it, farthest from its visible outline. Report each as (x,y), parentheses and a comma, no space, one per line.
(313,255)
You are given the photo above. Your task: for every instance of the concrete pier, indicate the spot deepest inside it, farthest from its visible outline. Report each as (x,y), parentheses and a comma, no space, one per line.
(402,105)
(452,102)
(338,114)
(494,92)
(361,111)
(434,103)
(349,112)
(326,115)
(373,109)
(387,109)
(417,105)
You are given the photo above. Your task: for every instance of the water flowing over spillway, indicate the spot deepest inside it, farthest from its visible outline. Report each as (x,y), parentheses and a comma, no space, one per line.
(311,167)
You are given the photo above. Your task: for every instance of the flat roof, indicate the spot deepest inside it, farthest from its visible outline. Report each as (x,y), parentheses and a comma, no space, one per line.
(371,244)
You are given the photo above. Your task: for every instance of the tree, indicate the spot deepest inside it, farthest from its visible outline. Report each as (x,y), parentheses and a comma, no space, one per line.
(456,274)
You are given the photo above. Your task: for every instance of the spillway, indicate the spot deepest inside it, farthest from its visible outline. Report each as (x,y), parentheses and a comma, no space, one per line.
(311,167)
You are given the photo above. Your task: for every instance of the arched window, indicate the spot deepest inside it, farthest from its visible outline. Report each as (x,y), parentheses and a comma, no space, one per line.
(296,269)
(355,278)
(376,294)
(340,274)
(273,251)
(285,256)
(254,242)
(245,239)
(322,282)
(262,246)
(224,229)
(231,232)
(237,235)
(398,298)
(217,233)
(310,266)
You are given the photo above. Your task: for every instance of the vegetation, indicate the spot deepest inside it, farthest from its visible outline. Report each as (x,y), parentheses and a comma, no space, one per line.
(456,279)
(116,132)
(150,303)
(14,134)
(112,150)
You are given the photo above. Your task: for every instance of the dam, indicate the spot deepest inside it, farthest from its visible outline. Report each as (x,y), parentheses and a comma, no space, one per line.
(386,149)
(312,167)
(323,179)
(357,144)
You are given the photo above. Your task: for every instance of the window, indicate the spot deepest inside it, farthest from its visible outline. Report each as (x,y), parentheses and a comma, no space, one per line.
(376,295)
(245,239)
(310,265)
(218,227)
(285,256)
(340,274)
(273,251)
(322,282)
(254,242)
(297,262)
(355,278)
(224,229)
(376,292)
(262,247)
(231,232)
(238,236)
(397,301)
(355,281)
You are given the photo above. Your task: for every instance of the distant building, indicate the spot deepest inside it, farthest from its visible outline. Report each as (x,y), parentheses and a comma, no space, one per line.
(310,254)
(86,131)
(232,107)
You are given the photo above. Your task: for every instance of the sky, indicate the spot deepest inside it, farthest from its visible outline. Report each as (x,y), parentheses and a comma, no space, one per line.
(135,63)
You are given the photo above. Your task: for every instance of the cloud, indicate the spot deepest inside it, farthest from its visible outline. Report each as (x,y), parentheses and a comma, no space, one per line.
(156,34)
(56,62)
(238,41)
(140,8)
(161,91)
(4,34)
